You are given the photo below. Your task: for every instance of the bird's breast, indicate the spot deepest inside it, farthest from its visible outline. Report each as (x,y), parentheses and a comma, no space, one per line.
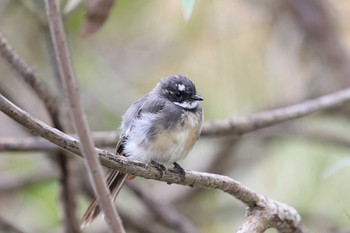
(163,141)
(174,144)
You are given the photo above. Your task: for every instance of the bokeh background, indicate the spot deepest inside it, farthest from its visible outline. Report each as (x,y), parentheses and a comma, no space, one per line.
(243,56)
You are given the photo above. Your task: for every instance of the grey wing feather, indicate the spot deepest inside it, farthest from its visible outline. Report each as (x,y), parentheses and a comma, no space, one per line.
(131,114)
(154,106)
(143,105)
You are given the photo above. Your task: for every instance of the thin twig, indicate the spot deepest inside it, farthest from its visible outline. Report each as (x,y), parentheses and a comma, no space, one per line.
(70,84)
(67,165)
(101,140)
(265,119)
(317,133)
(68,191)
(24,71)
(283,220)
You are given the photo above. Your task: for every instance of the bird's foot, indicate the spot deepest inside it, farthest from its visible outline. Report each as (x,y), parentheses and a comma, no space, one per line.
(178,169)
(159,167)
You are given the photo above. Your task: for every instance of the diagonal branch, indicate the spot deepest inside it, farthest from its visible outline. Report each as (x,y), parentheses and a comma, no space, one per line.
(70,84)
(285,218)
(101,139)
(273,117)
(24,71)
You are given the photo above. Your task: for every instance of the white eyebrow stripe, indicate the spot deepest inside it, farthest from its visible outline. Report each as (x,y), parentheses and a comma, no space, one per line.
(181,87)
(187,104)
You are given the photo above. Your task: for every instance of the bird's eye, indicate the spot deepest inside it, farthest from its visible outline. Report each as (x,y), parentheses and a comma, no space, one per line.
(178,94)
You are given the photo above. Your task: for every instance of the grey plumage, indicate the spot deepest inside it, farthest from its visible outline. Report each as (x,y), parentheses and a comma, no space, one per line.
(161,127)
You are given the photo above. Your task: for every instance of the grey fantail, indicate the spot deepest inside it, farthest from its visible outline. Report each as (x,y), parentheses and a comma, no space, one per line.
(160,128)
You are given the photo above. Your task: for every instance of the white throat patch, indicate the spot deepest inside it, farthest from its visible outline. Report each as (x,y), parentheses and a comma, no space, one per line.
(187,104)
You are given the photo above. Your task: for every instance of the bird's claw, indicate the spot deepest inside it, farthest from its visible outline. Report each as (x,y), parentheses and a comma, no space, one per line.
(178,169)
(159,167)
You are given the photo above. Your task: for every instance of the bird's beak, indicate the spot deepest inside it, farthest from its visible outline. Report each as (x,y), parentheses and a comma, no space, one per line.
(197,97)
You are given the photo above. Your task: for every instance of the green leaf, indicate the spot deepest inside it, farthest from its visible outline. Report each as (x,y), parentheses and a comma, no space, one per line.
(187,8)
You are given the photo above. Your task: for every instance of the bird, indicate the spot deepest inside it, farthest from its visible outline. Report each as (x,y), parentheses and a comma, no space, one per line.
(159,128)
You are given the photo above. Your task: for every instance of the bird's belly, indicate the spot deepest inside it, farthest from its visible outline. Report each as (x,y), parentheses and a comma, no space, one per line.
(172,146)
(167,145)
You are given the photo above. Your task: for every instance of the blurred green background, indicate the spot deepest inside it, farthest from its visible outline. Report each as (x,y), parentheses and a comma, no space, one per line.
(243,56)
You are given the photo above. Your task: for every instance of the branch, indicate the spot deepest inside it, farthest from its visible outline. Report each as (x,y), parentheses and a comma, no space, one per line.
(24,71)
(67,165)
(265,119)
(101,139)
(194,179)
(317,133)
(256,223)
(70,84)
(274,213)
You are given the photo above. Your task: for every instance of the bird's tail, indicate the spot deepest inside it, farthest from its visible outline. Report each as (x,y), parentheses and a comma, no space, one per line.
(115,181)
